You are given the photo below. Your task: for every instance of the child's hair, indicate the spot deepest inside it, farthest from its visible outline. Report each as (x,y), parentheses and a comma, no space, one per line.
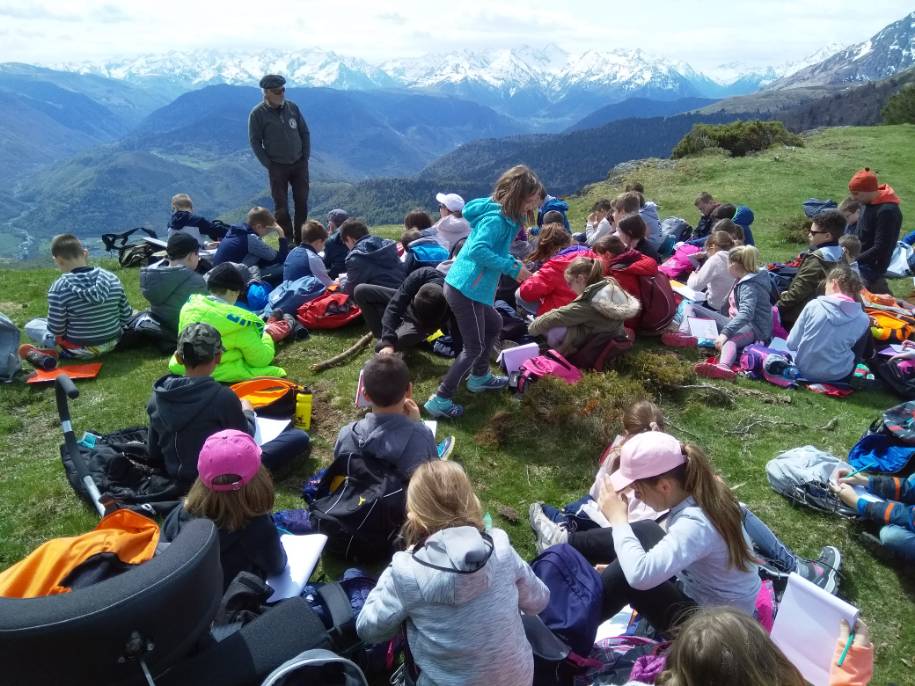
(409,236)
(717,501)
(628,203)
(313,231)
(231,510)
(735,231)
(633,226)
(852,247)
(417,219)
(386,379)
(831,221)
(260,216)
(720,645)
(513,189)
(848,282)
(429,305)
(612,245)
(703,198)
(643,416)
(602,205)
(553,238)
(182,201)
(440,496)
(593,270)
(719,239)
(726,211)
(746,256)
(635,186)
(553,217)
(849,206)
(353,229)
(66,246)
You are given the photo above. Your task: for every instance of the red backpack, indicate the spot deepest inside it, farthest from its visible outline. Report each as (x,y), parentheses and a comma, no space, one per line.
(330,310)
(659,305)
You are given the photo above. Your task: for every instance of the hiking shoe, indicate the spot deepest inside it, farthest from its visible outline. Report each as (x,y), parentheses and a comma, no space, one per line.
(715,371)
(489,382)
(445,447)
(677,339)
(40,358)
(445,408)
(823,571)
(547,531)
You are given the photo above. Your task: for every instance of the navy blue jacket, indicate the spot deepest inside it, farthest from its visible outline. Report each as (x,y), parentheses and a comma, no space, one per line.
(374,260)
(335,255)
(183,218)
(244,246)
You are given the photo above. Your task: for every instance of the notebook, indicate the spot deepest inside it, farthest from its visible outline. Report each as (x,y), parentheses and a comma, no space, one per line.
(302,555)
(807,627)
(702,328)
(681,288)
(266,429)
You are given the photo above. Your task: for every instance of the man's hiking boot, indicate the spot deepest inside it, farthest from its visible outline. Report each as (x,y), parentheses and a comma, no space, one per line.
(678,339)
(715,371)
(445,408)
(547,531)
(489,382)
(823,571)
(445,447)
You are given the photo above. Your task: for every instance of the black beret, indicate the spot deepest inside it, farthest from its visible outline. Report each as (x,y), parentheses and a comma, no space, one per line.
(272,81)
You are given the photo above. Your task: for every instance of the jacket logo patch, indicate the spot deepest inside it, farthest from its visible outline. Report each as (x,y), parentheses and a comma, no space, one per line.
(293,124)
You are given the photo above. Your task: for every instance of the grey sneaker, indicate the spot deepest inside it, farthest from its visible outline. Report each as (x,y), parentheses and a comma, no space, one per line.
(823,571)
(547,531)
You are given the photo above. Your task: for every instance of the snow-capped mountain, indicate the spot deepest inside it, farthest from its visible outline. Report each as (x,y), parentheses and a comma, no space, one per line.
(743,77)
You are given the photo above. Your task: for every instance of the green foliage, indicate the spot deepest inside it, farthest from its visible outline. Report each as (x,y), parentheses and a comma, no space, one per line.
(660,371)
(900,109)
(739,138)
(793,231)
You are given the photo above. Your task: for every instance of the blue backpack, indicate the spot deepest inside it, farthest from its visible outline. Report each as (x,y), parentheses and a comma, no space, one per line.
(290,295)
(888,446)
(576,596)
(424,252)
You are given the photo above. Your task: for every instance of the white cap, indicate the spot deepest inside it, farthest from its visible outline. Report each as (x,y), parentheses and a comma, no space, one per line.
(452,201)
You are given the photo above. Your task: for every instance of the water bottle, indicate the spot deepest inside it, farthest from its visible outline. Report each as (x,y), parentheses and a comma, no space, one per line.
(487,522)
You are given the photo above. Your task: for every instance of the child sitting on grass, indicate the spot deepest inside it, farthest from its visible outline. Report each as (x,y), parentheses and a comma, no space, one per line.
(183,220)
(713,277)
(547,288)
(601,307)
(235,491)
(459,589)
(305,260)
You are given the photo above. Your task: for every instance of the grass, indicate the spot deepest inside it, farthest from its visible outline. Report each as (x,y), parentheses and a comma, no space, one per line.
(546,447)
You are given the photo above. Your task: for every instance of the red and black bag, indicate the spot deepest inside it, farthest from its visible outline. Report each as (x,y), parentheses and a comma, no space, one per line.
(330,310)
(659,305)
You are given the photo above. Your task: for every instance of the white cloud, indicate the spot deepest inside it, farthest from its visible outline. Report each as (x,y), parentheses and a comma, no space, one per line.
(704,33)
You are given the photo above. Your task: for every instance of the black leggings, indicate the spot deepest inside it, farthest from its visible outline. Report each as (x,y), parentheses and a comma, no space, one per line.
(664,606)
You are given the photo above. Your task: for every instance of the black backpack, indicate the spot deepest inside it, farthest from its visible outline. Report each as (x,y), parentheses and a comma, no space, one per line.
(135,254)
(360,506)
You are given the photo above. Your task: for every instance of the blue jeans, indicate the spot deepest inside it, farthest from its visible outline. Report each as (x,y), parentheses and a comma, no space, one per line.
(766,544)
(567,515)
(899,540)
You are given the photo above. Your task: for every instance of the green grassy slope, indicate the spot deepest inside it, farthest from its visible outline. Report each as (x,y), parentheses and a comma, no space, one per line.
(536,459)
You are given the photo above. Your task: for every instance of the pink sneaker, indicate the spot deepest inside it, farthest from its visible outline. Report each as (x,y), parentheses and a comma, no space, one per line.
(678,339)
(714,371)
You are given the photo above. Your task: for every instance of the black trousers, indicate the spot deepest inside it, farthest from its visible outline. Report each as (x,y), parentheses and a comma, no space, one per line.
(281,177)
(373,301)
(664,606)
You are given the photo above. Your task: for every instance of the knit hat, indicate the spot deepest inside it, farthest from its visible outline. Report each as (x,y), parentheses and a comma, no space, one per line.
(225,277)
(228,452)
(181,244)
(646,455)
(198,343)
(864,181)
(272,81)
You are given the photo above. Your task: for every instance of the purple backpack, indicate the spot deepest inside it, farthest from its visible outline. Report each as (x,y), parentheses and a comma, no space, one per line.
(753,362)
(551,363)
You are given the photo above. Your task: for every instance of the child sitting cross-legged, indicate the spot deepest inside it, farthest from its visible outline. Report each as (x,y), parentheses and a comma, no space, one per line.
(459,589)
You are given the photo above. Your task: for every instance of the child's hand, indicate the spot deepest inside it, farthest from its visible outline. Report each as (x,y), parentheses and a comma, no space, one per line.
(862,633)
(411,409)
(523,275)
(856,480)
(846,494)
(613,505)
(720,341)
(387,350)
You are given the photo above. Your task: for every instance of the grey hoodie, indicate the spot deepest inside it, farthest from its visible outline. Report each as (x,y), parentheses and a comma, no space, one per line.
(394,438)
(463,626)
(823,337)
(649,215)
(753,296)
(167,288)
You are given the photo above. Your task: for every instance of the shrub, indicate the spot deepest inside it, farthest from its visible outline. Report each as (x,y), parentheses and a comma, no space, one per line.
(900,109)
(659,372)
(739,138)
(793,231)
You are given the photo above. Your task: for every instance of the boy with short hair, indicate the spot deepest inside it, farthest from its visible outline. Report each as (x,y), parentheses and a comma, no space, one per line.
(851,248)
(184,220)
(393,430)
(244,244)
(168,284)
(851,210)
(371,259)
(334,250)
(87,306)
(304,260)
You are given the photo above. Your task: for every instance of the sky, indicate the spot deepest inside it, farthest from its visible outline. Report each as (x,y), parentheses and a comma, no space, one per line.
(704,33)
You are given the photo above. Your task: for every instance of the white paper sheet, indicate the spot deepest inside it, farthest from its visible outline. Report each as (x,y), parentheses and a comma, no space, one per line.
(807,627)
(689,293)
(432,424)
(267,429)
(702,328)
(615,626)
(302,555)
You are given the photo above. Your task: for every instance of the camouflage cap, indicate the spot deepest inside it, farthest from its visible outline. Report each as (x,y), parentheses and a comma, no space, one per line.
(198,343)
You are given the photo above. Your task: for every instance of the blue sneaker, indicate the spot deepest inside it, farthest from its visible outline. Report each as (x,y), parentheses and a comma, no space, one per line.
(445,408)
(489,382)
(444,448)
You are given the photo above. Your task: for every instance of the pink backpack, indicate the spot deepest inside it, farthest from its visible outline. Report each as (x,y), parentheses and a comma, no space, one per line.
(551,363)
(679,265)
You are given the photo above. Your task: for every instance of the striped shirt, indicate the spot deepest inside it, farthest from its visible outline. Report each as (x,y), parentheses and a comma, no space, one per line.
(88,306)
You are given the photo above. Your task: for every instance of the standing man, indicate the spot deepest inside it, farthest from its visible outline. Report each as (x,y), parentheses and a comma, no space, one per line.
(879,223)
(281,142)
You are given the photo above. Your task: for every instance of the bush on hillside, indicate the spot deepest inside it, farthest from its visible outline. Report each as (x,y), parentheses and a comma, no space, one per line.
(659,371)
(739,138)
(793,231)
(900,109)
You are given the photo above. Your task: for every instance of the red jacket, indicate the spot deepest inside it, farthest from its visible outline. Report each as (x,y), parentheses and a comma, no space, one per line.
(626,268)
(548,285)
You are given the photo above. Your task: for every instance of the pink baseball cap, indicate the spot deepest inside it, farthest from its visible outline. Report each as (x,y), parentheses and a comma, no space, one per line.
(228,452)
(646,455)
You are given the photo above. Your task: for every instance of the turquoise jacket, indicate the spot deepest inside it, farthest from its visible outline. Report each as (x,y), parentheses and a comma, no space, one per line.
(484,257)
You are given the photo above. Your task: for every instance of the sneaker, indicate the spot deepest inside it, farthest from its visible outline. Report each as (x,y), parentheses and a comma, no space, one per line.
(677,339)
(40,358)
(489,382)
(823,571)
(547,531)
(27,348)
(445,447)
(715,371)
(445,408)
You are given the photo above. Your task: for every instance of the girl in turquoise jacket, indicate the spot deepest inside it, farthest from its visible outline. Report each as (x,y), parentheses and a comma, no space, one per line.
(470,286)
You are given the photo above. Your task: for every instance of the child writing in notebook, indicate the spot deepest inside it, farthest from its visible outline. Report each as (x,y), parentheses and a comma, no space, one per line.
(458,589)
(235,491)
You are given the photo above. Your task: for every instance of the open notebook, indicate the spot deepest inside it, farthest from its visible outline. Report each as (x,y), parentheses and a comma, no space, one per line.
(302,555)
(807,627)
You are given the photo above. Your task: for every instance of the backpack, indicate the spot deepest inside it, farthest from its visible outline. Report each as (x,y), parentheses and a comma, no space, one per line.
(424,252)
(781,276)
(896,374)
(677,228)
(679,264)
(891,327)
(902,257)
(659,304)
(134,254)
(888,446)
(756,361)
(623,658)
(599,350)
(802,475)
(330,310)
(360,505)
(290,295)
(551,363)
(10,364)
(317,666)
(270,396)
(813,206)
